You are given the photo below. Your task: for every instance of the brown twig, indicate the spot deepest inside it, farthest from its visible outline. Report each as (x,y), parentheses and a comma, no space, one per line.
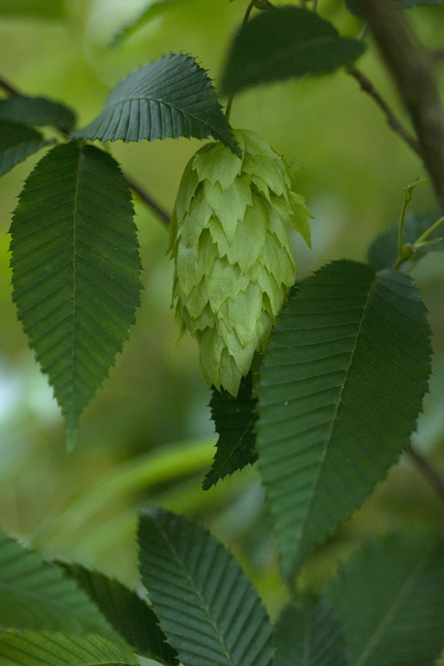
(435,480)
(368,87)
(412,70)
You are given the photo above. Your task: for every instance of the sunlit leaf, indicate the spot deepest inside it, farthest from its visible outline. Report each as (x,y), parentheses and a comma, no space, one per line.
(37,595)
(307,633)
(207,607)
(17,142)
(37,111)
(75,270)
(20,648)
(128,614)
(342,385)
(44,9)
(234,419)
(169,98)
(383,251)
(390,601)
(284,43)
(149,10)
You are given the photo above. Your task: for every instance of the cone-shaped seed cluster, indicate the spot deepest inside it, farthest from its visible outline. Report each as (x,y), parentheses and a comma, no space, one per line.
(233,263)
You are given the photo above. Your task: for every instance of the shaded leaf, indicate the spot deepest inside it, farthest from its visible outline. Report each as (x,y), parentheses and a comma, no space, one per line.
(234,419)
(17,142)
(75,270)
(127,613)
(284,43)
(168,98)
(37,111)
(55,649)
(342,385)
(37,595)
(307,633)
(147,13)
(383,252)
(390,601)
(207,606)
(44,9)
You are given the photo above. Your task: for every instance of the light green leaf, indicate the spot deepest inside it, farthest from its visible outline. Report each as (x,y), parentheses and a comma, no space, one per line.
(37,595)
(26,648)
(207,606)
(149,11)
(44,9)
(75,270)
(284,43)
(307,633)
(17,142)
(128,613)
(37,111)
(389,598)
(342,385)
(168,98)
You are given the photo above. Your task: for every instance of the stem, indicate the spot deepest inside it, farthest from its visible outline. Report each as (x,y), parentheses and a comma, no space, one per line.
(429,231)
(435,479)
(393,122)
(412,70)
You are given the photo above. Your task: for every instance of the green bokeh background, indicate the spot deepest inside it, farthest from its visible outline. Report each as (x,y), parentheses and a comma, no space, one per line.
(148,435)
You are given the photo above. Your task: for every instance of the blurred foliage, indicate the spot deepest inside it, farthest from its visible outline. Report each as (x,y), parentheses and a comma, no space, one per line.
(353,169)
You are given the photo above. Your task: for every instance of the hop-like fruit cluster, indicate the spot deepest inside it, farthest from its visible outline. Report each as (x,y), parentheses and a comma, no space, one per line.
(233,262)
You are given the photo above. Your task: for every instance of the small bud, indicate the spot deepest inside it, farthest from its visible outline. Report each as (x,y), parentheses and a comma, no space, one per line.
(229,242)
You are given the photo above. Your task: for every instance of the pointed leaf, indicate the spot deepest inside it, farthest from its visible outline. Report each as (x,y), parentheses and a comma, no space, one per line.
(383,252)
(37,111)
(75,270)
(207,606)
(308,634)
(37,595)
(390,601)
(168,98)
(146,14)
(20,648)
(128,614)
(283,43)
(17,142)
(234,419)
(341,388)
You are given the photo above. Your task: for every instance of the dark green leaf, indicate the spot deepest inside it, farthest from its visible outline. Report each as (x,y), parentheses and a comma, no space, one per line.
(26,648)
(127,613)
(17,142)
(207,606)
(234,419)
(37,595)
(37,111)
(342,385)
(283,43)
(390,601)
(307,634)
(44,9)
(75,270)
(147,13)
(169,98)
(383,251)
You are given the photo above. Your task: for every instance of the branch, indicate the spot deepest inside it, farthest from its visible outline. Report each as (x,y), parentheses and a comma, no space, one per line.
(8,88)
(412,71)
(435,480)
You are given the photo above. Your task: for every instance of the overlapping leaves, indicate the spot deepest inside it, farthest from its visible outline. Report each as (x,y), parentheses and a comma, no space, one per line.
(75,270)
(207,606)
(38,111)
(17,142)
(169,98)
(341,388)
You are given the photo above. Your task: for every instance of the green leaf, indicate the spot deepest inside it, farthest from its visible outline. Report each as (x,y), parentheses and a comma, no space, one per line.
(207,606)
(146,14)
(342,385)
(283,43)
(37,595)
(127,613)
(26,648)
(383,252)
(168,98)
(75,270)
(307,633)
(37,111)
(17,142)
(234,419)
(390,601)
(44,9)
